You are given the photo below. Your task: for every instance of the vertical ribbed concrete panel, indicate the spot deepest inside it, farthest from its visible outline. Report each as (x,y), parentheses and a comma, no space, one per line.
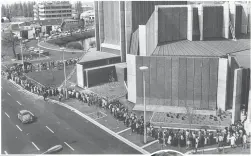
(131,77)
(122,31)
(189,23)
(197,82)
(183,23)
(168,81)
(128,24)
(175,23)
(182,82)
(153,81)
(225,31)
(101,22)
(213,82)
(236,114)
(244,19)
(97,25)
(232,8)
(222,83)
(245,85)
(161,79)
(175,80)
(238,20)
(146,62)
(139,79)
(201,27)
(190,83)
(205,83)
(196,24)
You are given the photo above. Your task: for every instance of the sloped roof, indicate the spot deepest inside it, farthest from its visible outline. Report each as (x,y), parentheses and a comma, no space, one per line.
(208,48)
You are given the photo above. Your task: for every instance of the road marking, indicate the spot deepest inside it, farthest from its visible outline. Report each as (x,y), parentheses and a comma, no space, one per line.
(19,128)
(5,152)
(144,146)
(123,130)
(19,103)
(49,129)
(69,146)
(7,114)
(8,93)
(35,146)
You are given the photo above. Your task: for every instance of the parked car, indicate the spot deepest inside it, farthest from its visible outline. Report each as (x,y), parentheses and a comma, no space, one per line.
(25,116)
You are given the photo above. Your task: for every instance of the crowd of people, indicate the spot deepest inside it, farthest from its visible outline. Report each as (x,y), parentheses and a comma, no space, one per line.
(234,135)
(55,64)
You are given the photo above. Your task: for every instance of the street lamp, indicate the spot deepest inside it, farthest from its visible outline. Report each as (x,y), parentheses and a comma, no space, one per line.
(144,69)
(38,46)
(63,49)
(21,46)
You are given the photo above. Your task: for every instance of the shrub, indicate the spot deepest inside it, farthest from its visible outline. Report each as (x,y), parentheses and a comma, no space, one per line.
(74,45)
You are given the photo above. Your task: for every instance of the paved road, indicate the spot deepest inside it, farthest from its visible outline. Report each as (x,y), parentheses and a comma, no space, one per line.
(55,125)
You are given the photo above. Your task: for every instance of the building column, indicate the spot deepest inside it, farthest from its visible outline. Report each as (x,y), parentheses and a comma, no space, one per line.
(225,29)
(201,27)
(122,31)
(97,25)
(142,40)
(128,24)
(189,23)
(101,22)
(237,95)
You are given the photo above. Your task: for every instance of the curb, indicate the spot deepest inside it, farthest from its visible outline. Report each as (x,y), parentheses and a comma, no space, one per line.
(92,121)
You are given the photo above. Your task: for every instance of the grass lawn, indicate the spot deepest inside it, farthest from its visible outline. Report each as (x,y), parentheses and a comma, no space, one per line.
(50,78)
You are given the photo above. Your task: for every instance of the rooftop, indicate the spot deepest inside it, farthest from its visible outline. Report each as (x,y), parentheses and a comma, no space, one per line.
(97,55)
(208,48)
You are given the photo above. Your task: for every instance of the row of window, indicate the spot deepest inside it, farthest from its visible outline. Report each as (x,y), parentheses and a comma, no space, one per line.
(61,11)
(66,15)
(56,7)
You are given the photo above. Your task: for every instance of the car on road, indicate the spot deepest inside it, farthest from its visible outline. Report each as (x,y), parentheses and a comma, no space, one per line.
(25,116)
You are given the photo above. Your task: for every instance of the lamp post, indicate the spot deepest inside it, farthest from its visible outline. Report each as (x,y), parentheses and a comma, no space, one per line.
(144,69)
(21,47)
(63,49)
(38,46)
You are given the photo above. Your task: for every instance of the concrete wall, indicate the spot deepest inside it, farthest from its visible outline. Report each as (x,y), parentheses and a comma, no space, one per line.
(80,75)
(212,21)
(111,22)
(172,24)
(178,81)
(232,66)
(97,25)
(131,77)
(237,94)
(222,84)
(196,29)
(100,75)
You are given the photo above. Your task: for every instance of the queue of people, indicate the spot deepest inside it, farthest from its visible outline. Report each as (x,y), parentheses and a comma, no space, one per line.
(234,135)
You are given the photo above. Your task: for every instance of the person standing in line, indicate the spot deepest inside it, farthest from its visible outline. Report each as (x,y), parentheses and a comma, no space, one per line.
(244,141)
(233,139)
(196,144)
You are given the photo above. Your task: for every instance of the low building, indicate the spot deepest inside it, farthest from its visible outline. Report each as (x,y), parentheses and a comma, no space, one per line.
(70,24)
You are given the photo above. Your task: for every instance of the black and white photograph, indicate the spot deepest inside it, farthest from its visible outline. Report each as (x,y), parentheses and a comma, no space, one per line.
(160,78)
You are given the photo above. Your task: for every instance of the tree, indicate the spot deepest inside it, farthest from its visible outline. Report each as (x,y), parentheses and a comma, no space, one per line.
(190,112)
(81,24)
(10,40)
(78,7)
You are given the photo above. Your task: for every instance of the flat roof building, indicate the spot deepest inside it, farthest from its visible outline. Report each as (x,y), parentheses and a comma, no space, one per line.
(52,10)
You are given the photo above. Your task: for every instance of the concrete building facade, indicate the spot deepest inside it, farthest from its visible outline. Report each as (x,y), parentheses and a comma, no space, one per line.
(52,10)
(187,49)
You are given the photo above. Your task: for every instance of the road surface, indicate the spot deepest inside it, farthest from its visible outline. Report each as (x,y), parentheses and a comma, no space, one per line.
(56,125)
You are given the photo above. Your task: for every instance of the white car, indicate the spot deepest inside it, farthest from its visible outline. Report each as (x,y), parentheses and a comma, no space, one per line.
(25,116)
